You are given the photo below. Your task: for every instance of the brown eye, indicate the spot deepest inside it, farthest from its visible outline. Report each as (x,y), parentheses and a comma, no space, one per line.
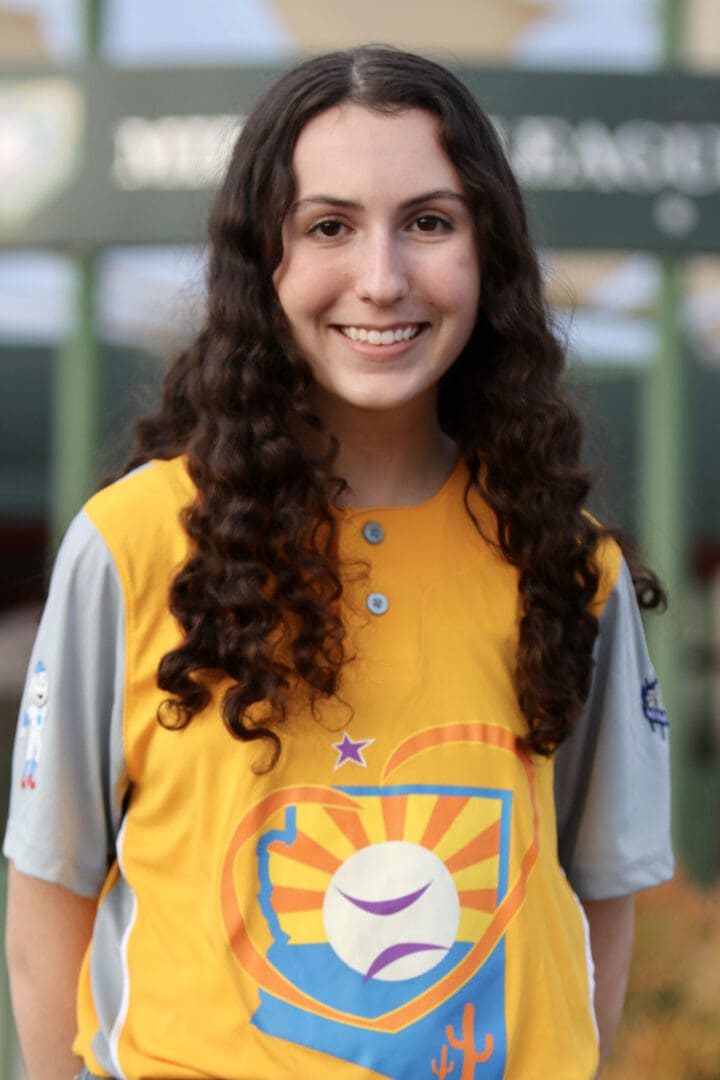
(431,223)
(329,229)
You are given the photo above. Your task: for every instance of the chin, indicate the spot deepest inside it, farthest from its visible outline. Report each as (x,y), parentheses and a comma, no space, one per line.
(373,398)
(380,403)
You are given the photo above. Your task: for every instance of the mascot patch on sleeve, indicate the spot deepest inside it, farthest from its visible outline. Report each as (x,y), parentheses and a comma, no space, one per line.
(32,723)
(653,707)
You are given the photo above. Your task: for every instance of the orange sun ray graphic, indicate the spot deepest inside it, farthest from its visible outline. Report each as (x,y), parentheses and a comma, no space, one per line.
(310,852)
(394,809)
(483,846)
(286,899)
(444,814)
(350,825)
(434,822)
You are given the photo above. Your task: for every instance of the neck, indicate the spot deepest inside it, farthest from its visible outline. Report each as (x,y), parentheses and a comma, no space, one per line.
(389,458)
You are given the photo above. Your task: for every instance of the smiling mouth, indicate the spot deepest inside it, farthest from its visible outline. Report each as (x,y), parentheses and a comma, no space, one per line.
(382,337)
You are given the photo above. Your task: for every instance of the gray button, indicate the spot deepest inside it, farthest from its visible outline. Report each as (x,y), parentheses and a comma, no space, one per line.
(377,603)
(373,533)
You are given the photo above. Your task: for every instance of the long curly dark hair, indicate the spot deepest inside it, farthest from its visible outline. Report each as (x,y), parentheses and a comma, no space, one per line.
(258,597)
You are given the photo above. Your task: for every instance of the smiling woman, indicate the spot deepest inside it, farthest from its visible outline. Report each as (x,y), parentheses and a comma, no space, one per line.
(346,702)
(379,278)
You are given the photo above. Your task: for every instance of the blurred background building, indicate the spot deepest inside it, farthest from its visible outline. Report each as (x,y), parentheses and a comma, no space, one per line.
(84,329)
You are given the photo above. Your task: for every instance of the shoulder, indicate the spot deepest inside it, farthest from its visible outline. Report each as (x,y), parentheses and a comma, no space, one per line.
(84,562)
(141,511)
(152,489)
(85,592)
(609,563)
(139,519)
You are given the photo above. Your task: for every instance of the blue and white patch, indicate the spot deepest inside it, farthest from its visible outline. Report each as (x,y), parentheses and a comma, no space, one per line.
(653,706)
(32,723)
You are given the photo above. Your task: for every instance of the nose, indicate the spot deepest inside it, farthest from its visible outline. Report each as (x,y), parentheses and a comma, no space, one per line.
(382,271)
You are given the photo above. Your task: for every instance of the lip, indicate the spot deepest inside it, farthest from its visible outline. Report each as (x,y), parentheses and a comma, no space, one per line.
(378,352)
(382,327)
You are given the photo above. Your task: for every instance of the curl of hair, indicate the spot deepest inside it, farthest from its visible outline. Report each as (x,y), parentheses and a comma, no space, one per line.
(258,597)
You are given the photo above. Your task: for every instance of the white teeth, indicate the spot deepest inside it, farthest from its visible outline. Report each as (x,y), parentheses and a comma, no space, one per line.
(380,337)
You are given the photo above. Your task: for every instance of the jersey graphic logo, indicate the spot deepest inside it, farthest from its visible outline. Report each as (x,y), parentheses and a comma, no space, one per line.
(351,750)
(379,937)
(32,723)
(653,706)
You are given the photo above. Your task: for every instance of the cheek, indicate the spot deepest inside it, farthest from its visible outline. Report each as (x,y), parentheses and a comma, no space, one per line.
(458,292)
(452,284)
(306,290)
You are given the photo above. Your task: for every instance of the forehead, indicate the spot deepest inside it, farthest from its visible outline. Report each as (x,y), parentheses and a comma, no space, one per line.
(351,151)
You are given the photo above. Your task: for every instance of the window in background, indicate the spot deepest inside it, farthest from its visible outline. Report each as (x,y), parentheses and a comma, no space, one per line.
(35,290)
(186,32)
(151,298)
(602,302)
(702,35)
(600,34)
(36,30)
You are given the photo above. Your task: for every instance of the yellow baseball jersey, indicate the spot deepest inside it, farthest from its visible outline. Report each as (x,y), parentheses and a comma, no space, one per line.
(388,900)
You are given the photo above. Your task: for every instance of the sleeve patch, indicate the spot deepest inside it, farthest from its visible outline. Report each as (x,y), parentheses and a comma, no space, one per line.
(653,706)
(32,723)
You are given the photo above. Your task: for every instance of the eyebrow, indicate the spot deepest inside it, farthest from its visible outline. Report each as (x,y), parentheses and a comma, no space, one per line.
(348,204)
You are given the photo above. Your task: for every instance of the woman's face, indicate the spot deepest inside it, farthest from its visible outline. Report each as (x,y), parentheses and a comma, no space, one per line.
(379,278)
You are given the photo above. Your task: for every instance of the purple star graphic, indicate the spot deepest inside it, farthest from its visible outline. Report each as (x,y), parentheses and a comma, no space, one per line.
(351,750)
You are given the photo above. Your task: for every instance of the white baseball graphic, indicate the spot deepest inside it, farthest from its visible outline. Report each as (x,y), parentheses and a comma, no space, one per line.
(391,911)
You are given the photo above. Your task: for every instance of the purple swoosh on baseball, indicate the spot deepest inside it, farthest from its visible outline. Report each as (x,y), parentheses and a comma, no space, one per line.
(386,907)
(396,952)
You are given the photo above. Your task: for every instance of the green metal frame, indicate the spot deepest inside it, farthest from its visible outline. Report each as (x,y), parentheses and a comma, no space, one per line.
(76,388)
(75,405)
(663,468)
(664,538)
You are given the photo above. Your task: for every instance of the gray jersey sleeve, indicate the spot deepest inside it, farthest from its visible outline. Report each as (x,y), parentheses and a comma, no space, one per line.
(69,778)
(612,784)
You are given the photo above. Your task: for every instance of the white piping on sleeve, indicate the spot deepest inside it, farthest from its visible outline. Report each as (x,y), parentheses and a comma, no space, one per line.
(121,1017)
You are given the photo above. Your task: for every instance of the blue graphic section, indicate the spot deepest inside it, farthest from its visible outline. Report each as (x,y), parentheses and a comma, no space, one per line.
(318,971)
(287,836)
(410,1052)
(470,1025)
